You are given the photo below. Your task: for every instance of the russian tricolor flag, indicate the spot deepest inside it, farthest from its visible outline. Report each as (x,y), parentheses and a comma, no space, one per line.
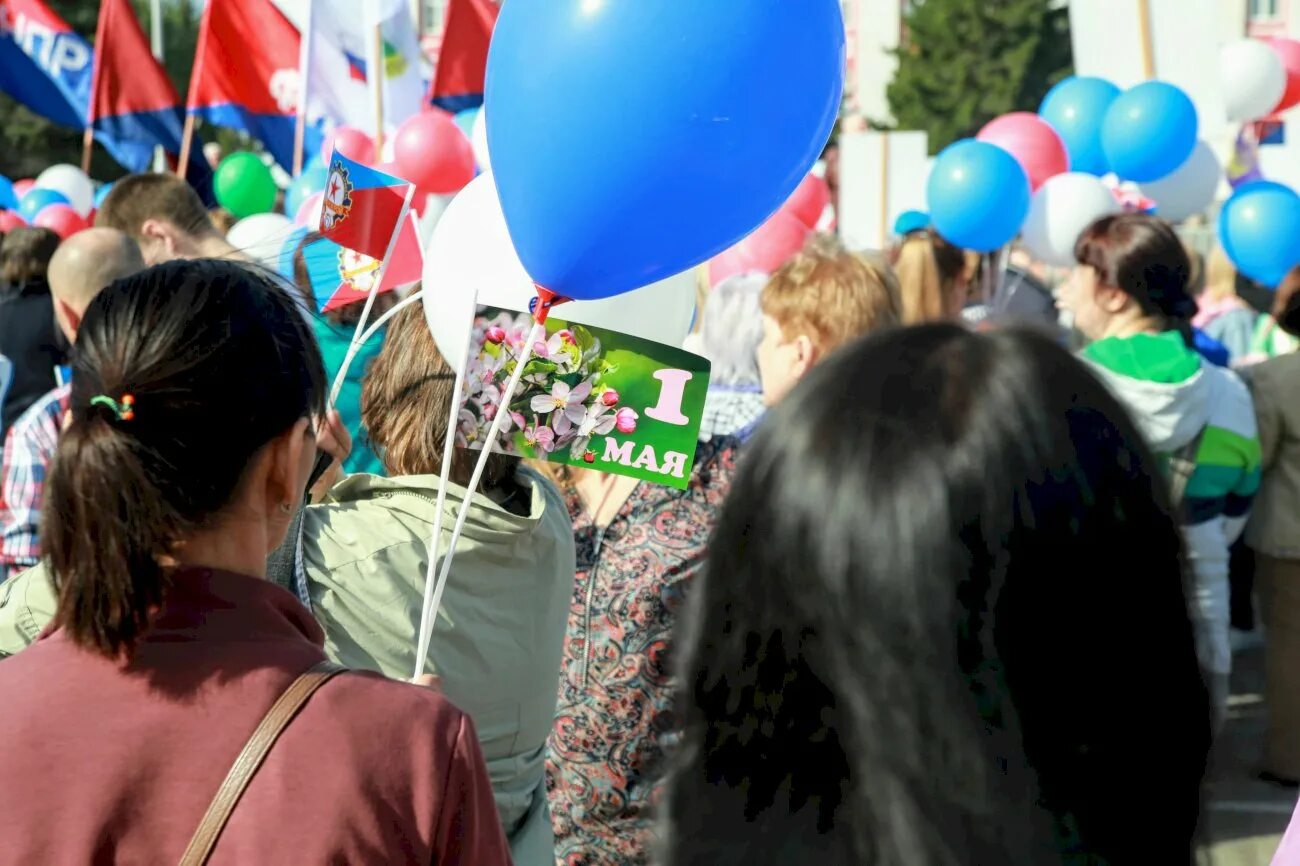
(362,206)
(132,97)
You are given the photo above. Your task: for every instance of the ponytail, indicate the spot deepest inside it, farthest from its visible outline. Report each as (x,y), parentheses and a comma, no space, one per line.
(105,526)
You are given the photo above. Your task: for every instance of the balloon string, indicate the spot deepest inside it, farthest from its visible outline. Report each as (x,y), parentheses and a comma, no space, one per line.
(432,592)
(535,336)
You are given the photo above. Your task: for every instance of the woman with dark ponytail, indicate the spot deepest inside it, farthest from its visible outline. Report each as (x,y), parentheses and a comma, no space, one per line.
(191,442)
(1129,295)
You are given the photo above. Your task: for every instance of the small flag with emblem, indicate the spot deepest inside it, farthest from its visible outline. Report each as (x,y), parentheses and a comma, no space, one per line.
(363,206)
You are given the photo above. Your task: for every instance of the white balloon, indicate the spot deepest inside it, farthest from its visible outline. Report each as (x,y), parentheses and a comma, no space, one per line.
(1061,209)
(261,237)
(471,252)
(73,183)
(1253,77)
(478,138)
(1190,189)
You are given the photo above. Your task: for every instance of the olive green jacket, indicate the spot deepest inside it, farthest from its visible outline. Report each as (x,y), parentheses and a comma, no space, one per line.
(499,633)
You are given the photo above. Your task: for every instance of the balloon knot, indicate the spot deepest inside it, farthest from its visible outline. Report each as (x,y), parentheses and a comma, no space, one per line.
(541,305)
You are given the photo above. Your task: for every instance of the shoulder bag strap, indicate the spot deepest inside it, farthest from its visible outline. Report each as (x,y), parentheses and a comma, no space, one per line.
(255,751)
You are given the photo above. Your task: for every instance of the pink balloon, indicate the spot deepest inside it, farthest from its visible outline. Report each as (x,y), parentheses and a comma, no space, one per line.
(431,152)
(351,142)
(24,186)
(309,211)
(809,201)
(1034,144)
(771,245)
(1288,51)
(10,221)
(60,219)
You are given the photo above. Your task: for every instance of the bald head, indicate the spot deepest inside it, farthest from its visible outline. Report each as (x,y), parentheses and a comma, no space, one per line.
(83,266)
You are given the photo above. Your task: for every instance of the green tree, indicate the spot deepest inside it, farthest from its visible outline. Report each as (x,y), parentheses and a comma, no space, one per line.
(964,62)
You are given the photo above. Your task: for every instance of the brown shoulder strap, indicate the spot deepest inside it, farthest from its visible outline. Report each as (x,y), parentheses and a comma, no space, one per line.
(255,750)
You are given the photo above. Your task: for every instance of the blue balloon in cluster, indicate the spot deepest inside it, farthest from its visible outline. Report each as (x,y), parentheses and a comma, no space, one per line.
(654,135)
(1150,130)
(8,199)
(101,194)
(911,221)
(1076,108)
(978,195)
(1259,228)
(312,180)
(38,200)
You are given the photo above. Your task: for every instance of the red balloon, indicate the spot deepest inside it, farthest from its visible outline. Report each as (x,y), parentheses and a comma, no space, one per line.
(309,212)
(770,245)
(431,152)
(1034,144)
(1288,51)
(810,200)
(9,220)
(60,219)
(24,186)
(352,143)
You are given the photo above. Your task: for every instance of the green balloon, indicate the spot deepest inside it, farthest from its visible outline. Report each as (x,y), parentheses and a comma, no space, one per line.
(243,185)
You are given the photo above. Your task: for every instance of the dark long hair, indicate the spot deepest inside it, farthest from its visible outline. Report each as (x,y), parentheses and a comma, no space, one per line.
(218,362)
(913,640)
(1143,256)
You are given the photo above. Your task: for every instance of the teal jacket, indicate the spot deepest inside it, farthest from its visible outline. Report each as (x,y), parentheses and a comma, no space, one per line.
(334,341)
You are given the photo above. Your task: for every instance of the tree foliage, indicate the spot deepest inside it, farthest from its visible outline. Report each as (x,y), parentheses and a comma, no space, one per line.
(964,62)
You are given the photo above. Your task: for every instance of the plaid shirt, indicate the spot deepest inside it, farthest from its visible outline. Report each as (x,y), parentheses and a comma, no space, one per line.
(28,449)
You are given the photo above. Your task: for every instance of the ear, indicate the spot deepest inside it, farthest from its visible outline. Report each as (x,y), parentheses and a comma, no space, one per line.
(68,318)
(159,238)
(290,459)
(1112,299)
(806,355)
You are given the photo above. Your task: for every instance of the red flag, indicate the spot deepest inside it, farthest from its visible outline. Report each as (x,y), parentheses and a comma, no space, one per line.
(354,273)
(363,206)
(462,63)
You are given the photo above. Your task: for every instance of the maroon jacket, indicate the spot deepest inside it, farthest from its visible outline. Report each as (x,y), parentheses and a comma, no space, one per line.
(103,762)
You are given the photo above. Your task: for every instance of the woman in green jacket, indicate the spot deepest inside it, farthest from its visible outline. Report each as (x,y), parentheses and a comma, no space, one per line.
(361,561)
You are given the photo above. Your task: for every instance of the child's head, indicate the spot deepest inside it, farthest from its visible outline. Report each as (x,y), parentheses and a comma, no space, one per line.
(820,299)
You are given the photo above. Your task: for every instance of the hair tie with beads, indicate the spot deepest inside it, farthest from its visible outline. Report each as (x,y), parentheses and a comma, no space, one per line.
(124,410)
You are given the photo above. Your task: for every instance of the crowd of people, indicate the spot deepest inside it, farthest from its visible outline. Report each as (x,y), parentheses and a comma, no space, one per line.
(887,621)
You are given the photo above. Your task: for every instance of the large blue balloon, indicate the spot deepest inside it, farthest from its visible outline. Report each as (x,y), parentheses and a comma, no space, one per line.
(978,195)
(1259,228)
(1150,130)
(8,199)
(38,200)
(1076,108)
(633,140)
(311,181)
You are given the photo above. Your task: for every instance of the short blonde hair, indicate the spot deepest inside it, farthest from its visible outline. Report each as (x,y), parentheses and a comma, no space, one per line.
(1220,276)
(832,296)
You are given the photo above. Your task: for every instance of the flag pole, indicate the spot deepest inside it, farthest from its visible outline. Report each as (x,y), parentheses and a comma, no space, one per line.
(187,142)
(156,46)
(376,73)
(304,78)
(87,144)
(1144,34)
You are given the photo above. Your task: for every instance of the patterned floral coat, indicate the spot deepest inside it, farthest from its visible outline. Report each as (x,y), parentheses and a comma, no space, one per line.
(613,719)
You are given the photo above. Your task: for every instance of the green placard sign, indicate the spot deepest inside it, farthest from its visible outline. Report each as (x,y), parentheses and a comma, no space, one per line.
(589,398)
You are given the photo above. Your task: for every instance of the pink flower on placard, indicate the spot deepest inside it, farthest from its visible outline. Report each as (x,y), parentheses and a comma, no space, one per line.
(561,401)
(609,398)
(518,418)
(554,349)
(496,335)
(540,437)
(625,420)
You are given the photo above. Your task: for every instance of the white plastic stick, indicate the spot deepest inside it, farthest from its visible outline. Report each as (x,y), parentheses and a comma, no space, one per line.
(538,331)
(432,588)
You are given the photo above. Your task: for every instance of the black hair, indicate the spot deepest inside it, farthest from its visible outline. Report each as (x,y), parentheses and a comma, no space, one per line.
(914,639)
(216,361)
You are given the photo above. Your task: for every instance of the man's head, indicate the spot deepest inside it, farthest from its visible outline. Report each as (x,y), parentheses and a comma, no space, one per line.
(163,214)
(816,302)
(83,266)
